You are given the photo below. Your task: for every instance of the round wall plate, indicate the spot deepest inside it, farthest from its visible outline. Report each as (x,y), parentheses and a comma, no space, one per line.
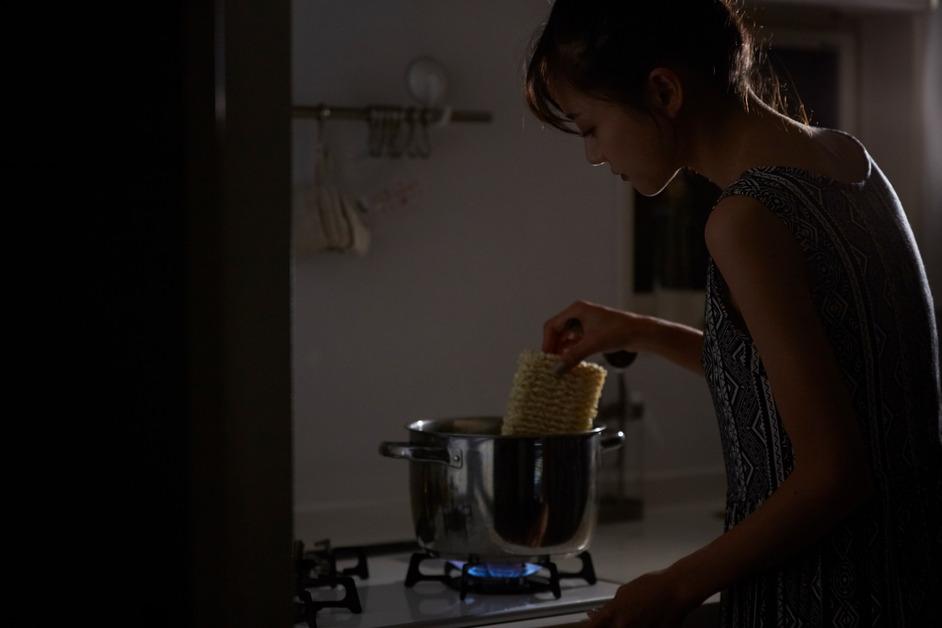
(427,81)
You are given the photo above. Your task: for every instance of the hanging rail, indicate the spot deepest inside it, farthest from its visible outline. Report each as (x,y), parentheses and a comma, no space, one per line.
(431,116)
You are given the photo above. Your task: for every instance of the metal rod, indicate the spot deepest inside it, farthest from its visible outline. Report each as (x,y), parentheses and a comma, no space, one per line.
(326,112)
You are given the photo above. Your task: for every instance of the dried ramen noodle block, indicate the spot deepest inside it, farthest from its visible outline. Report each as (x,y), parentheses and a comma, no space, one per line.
(543,403)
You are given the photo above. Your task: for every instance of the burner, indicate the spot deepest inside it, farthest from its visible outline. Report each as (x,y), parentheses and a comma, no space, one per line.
(499,570)
(318,568)
(500,578)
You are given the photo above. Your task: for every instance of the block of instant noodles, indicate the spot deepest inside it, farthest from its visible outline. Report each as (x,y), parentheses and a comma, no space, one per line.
(543,403)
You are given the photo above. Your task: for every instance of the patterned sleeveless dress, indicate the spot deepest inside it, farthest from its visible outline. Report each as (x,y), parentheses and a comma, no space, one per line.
(881,566)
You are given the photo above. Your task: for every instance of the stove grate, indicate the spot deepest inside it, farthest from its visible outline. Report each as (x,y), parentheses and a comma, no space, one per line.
(547,579)
(318,568)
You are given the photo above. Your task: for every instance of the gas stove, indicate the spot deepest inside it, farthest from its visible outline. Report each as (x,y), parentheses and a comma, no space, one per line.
(401,585)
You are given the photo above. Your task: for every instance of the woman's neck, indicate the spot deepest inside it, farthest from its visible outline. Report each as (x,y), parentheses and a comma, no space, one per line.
(728,140)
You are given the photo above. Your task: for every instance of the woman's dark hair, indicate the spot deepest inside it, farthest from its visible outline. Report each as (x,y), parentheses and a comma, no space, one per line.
(606,48)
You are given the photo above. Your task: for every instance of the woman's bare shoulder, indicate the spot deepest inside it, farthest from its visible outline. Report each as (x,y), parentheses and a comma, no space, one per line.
(841,156)
(741,223)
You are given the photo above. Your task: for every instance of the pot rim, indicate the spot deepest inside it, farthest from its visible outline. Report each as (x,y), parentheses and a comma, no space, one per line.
(417,425)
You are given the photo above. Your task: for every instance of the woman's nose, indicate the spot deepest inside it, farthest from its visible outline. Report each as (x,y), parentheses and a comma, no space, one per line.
(593,156)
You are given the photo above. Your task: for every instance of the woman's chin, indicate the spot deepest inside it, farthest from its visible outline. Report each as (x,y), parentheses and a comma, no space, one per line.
(646,188)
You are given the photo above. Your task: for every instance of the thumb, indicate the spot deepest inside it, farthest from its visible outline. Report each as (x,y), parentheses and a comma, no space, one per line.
(572,355)
(569,357)
(600,617)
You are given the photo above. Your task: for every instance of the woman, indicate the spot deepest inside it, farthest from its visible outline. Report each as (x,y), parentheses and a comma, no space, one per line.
(819,348)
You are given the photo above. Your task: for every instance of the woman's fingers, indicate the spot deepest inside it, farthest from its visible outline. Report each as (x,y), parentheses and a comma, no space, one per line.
(550,334)
(553,328)
(600,617)
(573,354)
(582,329)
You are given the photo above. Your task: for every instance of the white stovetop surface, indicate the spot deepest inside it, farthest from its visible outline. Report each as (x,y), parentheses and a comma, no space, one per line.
(620,552)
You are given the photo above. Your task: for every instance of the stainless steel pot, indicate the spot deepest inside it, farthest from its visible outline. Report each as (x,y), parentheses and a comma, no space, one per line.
(498,498)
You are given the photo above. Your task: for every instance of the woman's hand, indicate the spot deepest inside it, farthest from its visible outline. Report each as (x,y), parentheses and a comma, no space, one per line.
(653,600)
(603,329)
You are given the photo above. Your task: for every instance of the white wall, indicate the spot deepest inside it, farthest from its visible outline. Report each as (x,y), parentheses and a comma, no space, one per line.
(932,119)
(900,118)
(891,111)
(510,226)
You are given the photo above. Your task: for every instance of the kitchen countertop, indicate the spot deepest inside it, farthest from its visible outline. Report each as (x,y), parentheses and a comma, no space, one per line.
(624,551)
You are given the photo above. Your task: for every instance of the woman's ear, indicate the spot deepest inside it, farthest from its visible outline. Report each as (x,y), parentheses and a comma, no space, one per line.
(664,92)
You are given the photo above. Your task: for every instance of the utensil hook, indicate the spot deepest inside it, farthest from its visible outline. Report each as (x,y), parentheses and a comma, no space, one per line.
(410,137)
(375,123)
(394,147)
(424,147)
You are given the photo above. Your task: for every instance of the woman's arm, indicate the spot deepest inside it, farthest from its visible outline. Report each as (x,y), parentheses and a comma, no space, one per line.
(766,274)
(608,329)
(680,344)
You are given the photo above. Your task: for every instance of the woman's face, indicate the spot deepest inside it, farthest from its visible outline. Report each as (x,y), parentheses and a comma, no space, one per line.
(628,141)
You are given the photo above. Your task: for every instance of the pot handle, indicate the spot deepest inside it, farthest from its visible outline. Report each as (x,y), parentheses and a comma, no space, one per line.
(612,441)
(419,453)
